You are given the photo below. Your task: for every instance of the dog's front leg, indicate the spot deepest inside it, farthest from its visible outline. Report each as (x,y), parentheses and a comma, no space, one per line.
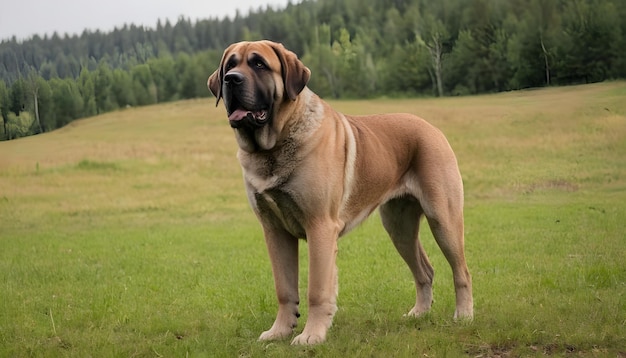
(283,251)
(323,287)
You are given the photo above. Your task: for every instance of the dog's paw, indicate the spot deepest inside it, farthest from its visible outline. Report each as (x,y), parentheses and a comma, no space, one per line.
(417,312)
(466,316)
(308,339)
(275,334)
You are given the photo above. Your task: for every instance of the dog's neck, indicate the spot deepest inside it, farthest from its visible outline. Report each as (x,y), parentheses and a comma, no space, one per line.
(310,114)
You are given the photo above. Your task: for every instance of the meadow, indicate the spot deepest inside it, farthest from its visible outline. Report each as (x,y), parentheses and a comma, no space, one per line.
(129,235)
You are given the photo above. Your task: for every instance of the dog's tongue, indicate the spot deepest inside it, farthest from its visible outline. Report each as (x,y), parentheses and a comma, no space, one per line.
(238,115)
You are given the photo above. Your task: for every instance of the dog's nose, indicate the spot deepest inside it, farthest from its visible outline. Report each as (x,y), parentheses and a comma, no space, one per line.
(233,78)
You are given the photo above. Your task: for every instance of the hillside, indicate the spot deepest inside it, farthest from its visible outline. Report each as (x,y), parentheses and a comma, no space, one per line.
(487,131)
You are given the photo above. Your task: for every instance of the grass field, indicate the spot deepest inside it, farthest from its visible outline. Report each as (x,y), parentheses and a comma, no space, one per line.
(129,235)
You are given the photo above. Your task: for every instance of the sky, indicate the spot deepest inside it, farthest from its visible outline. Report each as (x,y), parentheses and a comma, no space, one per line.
(25,18)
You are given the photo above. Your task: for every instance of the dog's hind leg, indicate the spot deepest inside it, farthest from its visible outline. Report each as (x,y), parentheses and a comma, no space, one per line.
(448,232)
(444,213)
(401,218)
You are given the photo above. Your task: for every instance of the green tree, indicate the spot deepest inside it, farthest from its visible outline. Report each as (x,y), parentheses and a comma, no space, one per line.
(434,36)
(498,67)
(144,88)
(184,37)
(102,88)
(68,102)
(406,71)
(531,47)
(164,76)
(48,70)
(591,31)
(122,89)
(18,97)
(356,72)
(322,63)
(344,59)
(46,105)
(206,62)
(87,90)
(250,35)
(190,76)
(5,104)
(33,87)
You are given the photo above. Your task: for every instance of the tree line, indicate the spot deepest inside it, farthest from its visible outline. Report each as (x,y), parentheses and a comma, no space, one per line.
(354,49)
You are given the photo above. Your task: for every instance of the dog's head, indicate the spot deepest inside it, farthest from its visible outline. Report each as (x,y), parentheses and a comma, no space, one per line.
(254,79)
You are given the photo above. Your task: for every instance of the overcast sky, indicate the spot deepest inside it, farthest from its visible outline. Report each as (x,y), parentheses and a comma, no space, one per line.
(24,18)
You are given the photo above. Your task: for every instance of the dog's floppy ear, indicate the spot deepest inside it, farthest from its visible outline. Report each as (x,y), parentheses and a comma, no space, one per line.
(295,73)
(215,84)
(215,80)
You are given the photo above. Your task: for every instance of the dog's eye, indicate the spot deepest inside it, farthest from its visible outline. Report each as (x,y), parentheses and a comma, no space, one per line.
(229,65)
(257,63)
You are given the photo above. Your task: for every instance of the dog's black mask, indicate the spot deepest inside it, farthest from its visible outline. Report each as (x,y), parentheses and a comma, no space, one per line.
(246,106)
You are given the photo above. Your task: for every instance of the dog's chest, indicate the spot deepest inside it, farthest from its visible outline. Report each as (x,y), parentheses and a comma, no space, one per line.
(280,208)
(267,180)
(264,171)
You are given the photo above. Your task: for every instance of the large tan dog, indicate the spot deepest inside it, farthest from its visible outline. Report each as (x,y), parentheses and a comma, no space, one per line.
(313,173)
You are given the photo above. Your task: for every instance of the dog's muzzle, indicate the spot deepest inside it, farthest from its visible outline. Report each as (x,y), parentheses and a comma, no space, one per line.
(238,115)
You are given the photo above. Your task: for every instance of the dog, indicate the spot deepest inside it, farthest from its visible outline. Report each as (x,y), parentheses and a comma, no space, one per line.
(313,173)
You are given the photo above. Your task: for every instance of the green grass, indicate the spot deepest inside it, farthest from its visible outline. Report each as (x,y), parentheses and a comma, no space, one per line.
(129,234)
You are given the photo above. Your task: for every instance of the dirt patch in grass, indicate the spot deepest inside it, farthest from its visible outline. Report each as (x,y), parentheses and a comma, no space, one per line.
(553,184)
(491,351)
(512,349)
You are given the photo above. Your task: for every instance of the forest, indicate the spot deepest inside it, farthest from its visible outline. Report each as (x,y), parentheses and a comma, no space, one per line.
(354,48)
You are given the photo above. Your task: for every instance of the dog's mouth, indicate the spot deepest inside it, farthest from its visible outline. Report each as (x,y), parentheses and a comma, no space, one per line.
(240,117)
